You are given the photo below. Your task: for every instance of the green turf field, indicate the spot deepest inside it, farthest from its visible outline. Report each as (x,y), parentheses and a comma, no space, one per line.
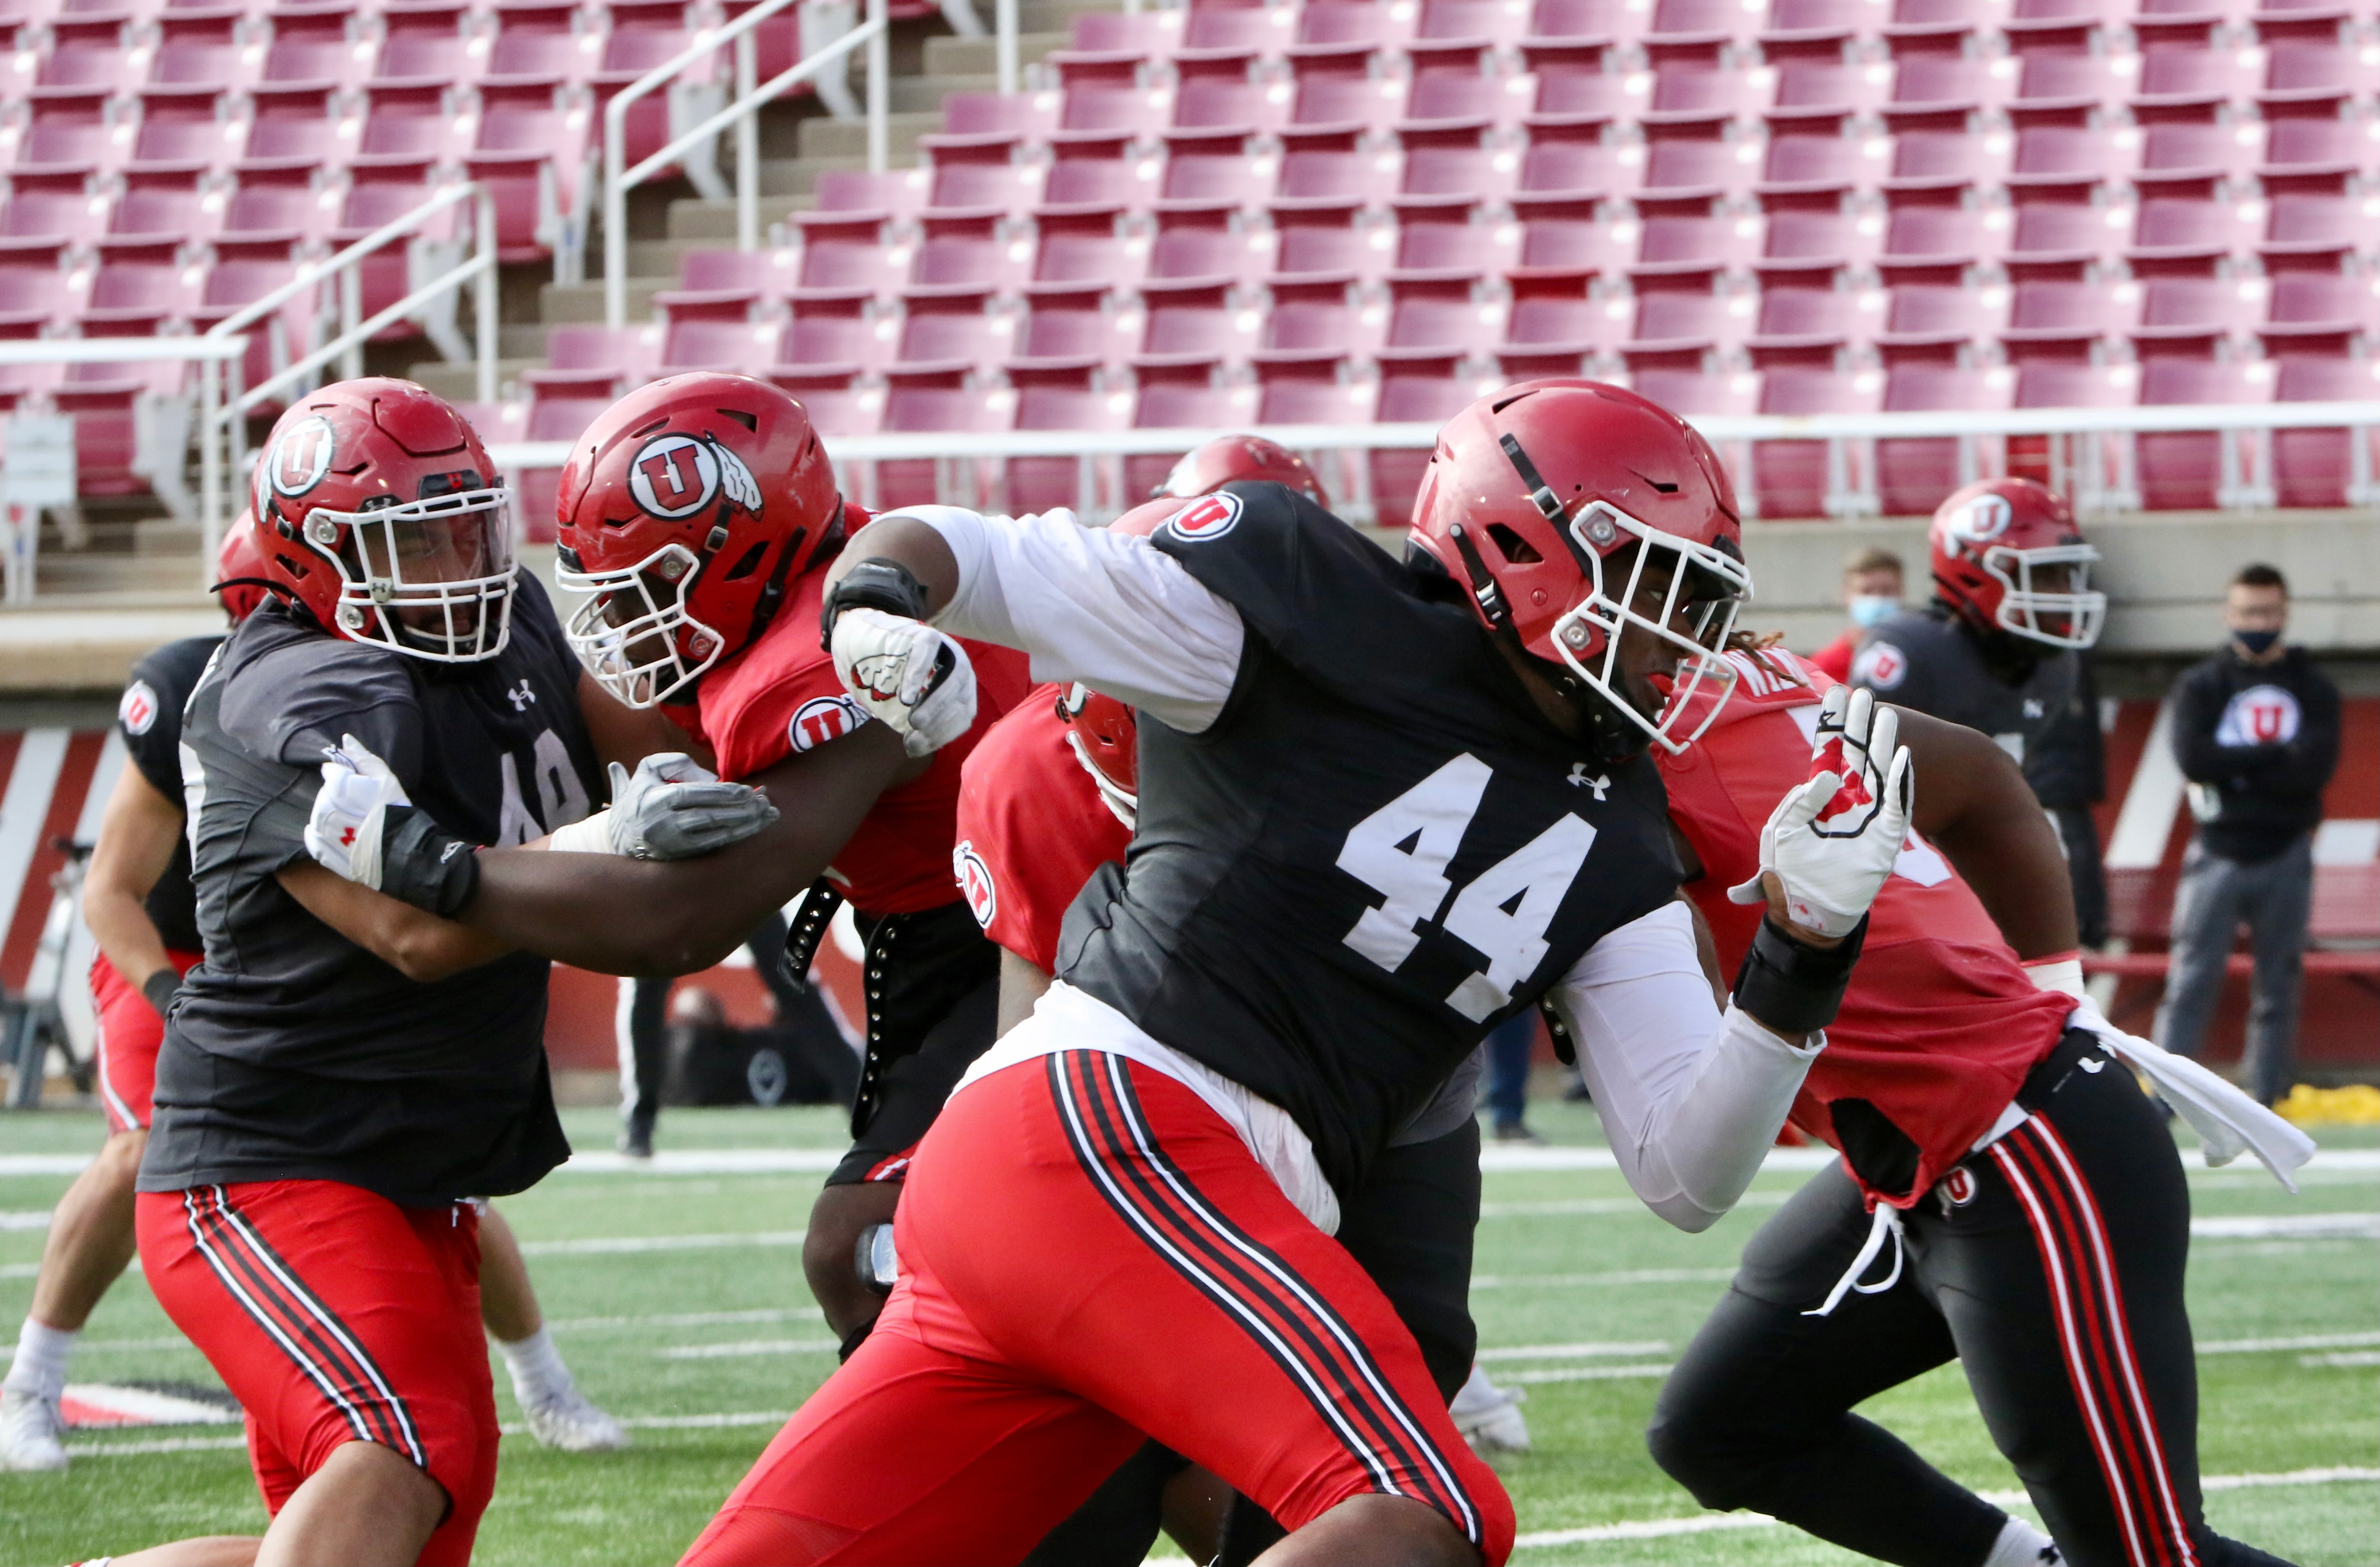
(703,1342)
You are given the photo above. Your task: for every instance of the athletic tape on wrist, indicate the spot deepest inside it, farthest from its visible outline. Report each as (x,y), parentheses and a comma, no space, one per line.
(159,988)
(873,584)
(425,865)
(1791,987)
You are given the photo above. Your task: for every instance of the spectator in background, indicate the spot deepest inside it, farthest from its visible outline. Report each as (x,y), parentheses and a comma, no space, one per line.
(2067,766)
(1509,1046)
(1872,589)
(2256,730)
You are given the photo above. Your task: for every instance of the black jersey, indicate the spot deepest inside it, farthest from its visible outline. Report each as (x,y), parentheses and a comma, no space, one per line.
(1929,661)
(1379,851)
(293,1053)
(150,718)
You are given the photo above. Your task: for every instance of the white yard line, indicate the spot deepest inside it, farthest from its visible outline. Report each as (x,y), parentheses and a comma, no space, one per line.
(2301,1340)
(681,1319)
(1607,1205)
(750,1347)
(2289,1226)
(1583,1281)
(1573,1352)
(2350,1358)
(1584,1374)
(1657,1528)
(597,1246)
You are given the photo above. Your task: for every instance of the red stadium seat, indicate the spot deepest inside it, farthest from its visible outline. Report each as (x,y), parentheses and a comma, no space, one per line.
(1937,323)
(1418,394)
(2065,318)
(1558,333)
(138,299)
(1798,478)
(1682,327)
(740,347)
(2315,231)
(2321,468)
(830,343)
(941,337)
(728,284)
(2187,471)
(1574,102)
(1808,327)
(594,361)
(1912,475)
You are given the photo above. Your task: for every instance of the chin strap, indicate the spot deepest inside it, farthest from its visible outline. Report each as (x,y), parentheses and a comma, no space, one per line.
(1485,592)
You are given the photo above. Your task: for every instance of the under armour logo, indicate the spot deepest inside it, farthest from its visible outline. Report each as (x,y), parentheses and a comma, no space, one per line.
(2093,1065)
(522,698)
(1579,780)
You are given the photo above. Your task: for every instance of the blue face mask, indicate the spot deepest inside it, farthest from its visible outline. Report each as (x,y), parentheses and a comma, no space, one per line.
(2257,644)
(1870,610)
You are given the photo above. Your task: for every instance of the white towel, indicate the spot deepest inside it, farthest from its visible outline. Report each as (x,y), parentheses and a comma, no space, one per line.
(2228,1121)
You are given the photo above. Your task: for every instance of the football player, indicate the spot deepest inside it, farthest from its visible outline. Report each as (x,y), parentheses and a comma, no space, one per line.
(342,1073)
(143,915)
(1382,807)
(2005,1197)
(1048,798)
(700,515)
(2012,606)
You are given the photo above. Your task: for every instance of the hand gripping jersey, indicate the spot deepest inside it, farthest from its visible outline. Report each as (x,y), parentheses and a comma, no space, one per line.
(1928,661)
(1377,851)
(1940,1025)
(293,1053)
(151,717)
(781,695)
(1031,830)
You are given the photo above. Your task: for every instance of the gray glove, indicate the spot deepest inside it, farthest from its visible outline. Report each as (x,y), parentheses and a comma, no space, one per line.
(671,808)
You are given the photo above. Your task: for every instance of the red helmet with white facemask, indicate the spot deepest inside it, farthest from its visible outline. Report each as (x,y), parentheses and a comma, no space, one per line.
(2009,557)
(1554,504)
(241,583)
(379,511)
(1103,731)
(686,511)
(1228,459)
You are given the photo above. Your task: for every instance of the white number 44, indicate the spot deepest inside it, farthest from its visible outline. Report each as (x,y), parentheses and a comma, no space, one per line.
(1402,850)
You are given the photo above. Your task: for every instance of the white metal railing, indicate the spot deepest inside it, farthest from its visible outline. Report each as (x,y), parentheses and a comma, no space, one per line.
(742,114)
(224,409)
(854,454)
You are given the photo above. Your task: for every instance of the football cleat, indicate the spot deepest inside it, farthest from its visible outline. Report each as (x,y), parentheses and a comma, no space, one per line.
(29,1428)
(1488,1416)
(568,1422)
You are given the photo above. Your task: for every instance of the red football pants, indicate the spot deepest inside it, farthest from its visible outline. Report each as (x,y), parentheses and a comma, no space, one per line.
(335,1316)
(129,1034)
(1090,1253)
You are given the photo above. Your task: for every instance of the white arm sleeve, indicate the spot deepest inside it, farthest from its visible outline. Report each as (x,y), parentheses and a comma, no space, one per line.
(1094,606)
(1691,1098)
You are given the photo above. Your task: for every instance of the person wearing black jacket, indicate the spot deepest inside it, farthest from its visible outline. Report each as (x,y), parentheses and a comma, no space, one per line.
(2256,731)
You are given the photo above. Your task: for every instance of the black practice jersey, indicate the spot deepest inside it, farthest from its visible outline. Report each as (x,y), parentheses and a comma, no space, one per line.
(1379,851)
(290,1051)
(151,717)
(1927,661)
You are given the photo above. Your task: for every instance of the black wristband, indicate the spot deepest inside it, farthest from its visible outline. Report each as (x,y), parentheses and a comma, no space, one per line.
(873,584)
(159,988)
(424,865)
(1791,987)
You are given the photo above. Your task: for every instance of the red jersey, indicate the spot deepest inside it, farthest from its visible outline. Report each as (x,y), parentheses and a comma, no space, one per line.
(1940,1025)
(1031,830)
(780,695)
(1835,658)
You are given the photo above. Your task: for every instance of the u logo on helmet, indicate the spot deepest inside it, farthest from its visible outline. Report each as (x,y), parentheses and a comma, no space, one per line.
(822,719)
(1985,517)
(301,457)
(976,885)
(1210,516)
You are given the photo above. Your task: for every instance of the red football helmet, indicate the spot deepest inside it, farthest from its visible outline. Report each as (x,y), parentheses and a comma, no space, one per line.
(380,513)
(1531,492)
(1103,732)
(1230,457)
(685,512)
(241,571)
(1993,541)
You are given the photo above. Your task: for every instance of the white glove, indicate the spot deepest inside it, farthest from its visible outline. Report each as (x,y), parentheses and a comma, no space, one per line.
(1831,841)
(671,808)
(908,674)
(345,830)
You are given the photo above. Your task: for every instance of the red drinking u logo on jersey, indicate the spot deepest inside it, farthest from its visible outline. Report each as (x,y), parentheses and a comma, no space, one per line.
(974,883)
(822,719)
(1210,516)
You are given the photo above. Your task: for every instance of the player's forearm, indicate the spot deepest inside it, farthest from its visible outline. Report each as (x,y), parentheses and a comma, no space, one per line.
(908,544)
(120,925)
(1977,809)
(1698,1152)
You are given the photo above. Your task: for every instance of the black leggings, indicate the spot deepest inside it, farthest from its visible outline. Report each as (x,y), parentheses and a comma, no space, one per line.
(2050,1266)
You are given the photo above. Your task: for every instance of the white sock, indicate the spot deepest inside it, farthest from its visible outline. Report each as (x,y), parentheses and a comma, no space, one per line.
(2020,1545)
(539,1374)
(40,1367)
